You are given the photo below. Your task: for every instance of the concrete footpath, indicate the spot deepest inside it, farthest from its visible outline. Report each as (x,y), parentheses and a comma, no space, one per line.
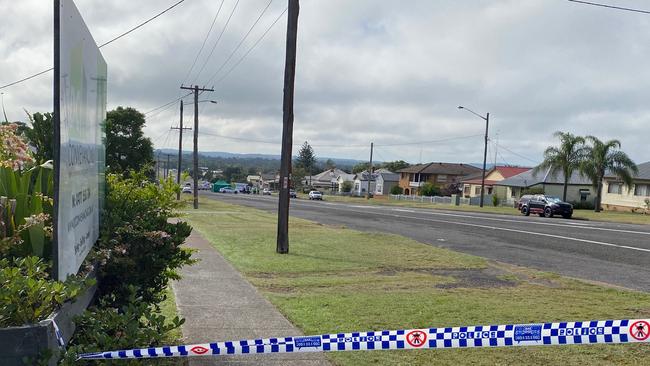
(218,304)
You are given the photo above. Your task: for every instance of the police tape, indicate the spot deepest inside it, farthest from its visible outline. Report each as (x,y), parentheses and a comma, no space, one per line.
(542,334)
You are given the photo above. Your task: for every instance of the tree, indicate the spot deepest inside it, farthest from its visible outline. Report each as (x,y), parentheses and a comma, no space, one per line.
(603,157)
(396,190)
(396,165)
(330,164)
(565,158)
(126,146)
(306,159)
(41,136)
(361,167)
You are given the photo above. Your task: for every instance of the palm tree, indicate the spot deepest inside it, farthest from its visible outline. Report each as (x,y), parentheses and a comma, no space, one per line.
(604,157)
(565,158)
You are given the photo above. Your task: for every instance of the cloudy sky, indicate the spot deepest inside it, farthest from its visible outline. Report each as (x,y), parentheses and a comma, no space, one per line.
(391,72)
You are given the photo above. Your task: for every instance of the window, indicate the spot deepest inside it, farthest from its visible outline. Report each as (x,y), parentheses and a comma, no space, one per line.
(468,189)
(489,190)
(380,188)
(442,178)
(477,190)
(642,189)
(616,188)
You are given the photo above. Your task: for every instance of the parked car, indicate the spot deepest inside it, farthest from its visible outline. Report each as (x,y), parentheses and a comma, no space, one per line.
(227,190)
(545,206)
(315,195)
(187,189)
(205,186)
(266,192)
(292,193)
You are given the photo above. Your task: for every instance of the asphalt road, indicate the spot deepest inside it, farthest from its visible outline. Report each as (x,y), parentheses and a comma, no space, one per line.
(616,254)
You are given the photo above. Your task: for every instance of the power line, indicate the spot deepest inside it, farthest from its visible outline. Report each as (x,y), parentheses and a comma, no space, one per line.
(240,42)
(519,155)
(610,6)
(252,47)
(430,141)
(203,44)
(215,43)
(168,105)
(102,45)
(141,24)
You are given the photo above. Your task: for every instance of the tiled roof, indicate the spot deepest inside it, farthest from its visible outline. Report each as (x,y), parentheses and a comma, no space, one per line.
(509,171)
(441,168)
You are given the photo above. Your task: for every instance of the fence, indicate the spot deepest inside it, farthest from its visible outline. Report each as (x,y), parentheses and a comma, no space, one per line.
(474,201)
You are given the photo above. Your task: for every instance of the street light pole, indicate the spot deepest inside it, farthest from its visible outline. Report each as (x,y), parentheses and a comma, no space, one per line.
(487,124)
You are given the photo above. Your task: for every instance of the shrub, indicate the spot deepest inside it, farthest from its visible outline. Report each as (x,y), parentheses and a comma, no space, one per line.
(495,200)
(428,189)
(586,205)
(533,190)
(139,250)
(28,295)
(134,324)
(397,190)
(347,187)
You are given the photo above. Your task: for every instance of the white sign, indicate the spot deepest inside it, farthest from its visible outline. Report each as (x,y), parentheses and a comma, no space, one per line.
(80,112)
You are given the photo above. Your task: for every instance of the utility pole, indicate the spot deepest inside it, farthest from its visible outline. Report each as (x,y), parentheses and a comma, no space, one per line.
(167,167)
(158,166)
(487,123)
(282,246)
(195,167)
(370,175)
(180,129)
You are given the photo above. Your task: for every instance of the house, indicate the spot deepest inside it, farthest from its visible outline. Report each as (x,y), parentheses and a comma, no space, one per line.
(472,184)
(617,196)
(362,181)
(579,188)
(269,180)
(440,174)
(326,180)
(385,181)
(254,180)
(342,179)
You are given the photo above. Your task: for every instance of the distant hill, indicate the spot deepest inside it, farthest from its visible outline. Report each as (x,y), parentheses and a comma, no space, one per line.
(342,163)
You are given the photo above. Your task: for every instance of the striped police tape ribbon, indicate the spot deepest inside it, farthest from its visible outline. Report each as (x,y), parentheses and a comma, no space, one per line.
(588,332)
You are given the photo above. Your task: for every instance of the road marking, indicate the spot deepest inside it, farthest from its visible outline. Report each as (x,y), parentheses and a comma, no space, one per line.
(497,219)
(512,230)
(572,224)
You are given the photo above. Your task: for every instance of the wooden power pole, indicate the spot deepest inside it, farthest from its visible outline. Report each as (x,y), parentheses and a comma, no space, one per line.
(372,145)
(180,129)
(195,166)
(287,128)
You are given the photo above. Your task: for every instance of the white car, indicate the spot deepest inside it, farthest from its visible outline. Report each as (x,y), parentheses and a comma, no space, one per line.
(266,192)
(187,189)
(227,190)
(315,195)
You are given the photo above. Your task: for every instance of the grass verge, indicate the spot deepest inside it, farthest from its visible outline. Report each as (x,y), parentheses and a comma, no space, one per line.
(590,215)
(340,280)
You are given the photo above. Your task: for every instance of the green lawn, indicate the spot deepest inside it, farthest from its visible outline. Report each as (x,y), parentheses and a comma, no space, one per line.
(610,216)
(340,280)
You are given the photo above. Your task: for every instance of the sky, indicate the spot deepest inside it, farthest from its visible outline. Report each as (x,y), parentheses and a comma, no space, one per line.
(387,72)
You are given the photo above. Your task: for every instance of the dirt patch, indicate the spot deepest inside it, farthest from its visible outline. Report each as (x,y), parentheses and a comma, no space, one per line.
(474,278)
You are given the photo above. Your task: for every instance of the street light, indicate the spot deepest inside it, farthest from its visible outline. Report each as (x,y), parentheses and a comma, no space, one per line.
(202,101)
(487,123)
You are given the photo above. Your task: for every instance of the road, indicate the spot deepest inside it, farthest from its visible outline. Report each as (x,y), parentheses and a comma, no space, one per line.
(616,254)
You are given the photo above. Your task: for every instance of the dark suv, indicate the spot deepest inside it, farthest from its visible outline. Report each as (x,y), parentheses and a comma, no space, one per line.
(544,206)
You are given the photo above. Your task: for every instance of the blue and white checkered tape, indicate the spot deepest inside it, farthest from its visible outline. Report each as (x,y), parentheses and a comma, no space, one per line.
(510,335)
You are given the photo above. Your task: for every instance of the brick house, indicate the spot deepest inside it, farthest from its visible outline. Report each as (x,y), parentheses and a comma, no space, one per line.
(440,174)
